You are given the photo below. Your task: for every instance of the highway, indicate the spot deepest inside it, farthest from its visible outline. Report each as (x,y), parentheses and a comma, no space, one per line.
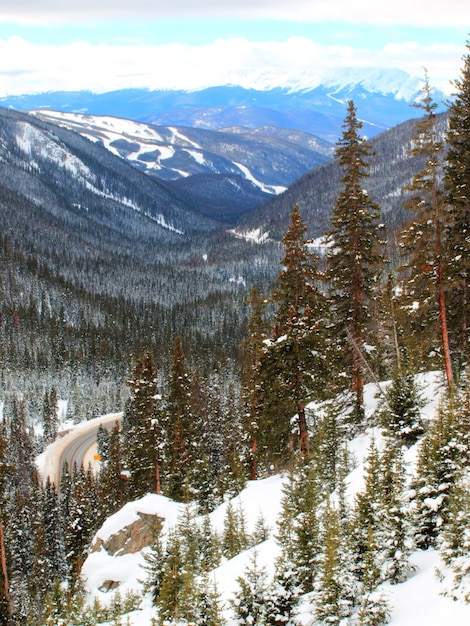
(76,446)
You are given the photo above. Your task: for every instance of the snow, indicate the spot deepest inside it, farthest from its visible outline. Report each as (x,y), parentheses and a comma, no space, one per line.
(419,600)
(256,235)
(272,189)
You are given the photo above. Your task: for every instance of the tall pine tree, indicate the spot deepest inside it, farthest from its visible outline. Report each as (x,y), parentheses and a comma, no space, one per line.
(293,367)
(355,261)
(425,281)
(457,185)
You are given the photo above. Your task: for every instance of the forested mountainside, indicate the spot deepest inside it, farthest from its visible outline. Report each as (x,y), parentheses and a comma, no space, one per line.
(392,167)
(98,260)
(222,173)
(240,360)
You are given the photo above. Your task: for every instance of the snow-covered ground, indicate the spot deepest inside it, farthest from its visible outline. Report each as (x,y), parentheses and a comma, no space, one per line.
(419,601)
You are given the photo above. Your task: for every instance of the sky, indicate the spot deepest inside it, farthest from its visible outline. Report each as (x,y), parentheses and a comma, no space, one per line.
(102,45)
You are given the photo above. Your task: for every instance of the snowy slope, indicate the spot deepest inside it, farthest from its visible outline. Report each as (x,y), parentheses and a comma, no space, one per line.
(418,601)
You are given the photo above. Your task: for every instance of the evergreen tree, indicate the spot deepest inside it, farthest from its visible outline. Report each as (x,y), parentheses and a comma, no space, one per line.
(298,526)
(374,609)
(393,534)
(208,603)
(249,602)
(50,415)
(423,247)
(252,351)
(355,262)
(53,523)
(335,590)
(234,538)
(111,484)
(293,368)
(179,429)
(400,413)
(142,429)
(177,595)
(438,471)
(368,510)
(457,185)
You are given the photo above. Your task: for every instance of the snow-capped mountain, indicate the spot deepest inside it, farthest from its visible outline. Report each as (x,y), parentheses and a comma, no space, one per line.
(173,152)
(312,101)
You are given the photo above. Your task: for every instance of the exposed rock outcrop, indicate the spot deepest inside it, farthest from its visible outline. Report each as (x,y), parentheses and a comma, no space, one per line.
(131,538)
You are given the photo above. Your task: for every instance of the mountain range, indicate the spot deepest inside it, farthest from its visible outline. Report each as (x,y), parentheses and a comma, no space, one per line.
(221,173)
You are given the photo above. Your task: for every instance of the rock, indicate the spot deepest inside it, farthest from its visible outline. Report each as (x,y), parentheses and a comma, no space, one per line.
(131,538)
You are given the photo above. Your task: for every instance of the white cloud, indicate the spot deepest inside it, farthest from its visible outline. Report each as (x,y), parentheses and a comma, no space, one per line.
(399,12)
(300,62)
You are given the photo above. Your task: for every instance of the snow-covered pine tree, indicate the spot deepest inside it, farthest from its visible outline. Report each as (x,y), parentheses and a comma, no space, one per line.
(298,525)
(400,410)
(142,429)
(111,483)
(374,609)
(394,531)
(367,511)
(249,601)
(438,471)
(235,537)
(179,429)
(209,604)
(355,260)
(335,587)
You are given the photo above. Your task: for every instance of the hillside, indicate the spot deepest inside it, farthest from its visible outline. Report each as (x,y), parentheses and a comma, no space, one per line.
(222,173)
(391,168)
(420,599)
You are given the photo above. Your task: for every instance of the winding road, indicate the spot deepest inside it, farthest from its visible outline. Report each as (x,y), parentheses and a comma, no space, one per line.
(76,446)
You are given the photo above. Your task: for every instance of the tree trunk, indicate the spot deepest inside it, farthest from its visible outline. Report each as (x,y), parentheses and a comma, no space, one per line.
(6,586)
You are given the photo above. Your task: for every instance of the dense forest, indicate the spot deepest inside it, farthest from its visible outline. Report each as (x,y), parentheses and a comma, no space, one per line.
(215,390)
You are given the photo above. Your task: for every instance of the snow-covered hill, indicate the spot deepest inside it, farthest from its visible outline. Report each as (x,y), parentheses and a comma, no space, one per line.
(417,601)
(270,159)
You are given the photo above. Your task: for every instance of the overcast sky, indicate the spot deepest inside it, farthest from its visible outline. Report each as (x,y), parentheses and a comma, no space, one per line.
(109,44)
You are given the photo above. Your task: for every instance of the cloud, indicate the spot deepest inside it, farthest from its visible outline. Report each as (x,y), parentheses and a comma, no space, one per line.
(297,62)
(399,12)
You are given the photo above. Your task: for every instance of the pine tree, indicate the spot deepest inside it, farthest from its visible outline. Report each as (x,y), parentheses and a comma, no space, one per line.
(234,538)
(177,595)
(142,429)
(457,185)
(394,532)
(209,605)
(54,531)
(335,590)
(50,415)
(299,532)
(455,542)
(400,412)
(422,242)
(355,262)
(374,609)
(438,471)
(293,368)
(179,429)
(111,484)
(252,350)
(249,602)
(368,509)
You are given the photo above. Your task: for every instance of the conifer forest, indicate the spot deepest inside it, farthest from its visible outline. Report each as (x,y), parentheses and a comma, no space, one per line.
(221,382)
